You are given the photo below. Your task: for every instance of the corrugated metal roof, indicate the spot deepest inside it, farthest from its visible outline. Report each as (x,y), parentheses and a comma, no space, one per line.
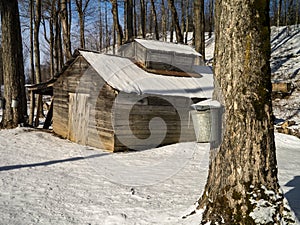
(168,47)
(123,75)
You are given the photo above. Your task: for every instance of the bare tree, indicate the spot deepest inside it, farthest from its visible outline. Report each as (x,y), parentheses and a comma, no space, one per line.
(199,27)
(37,23)
(32,77)
(188,21)
(37,60)
(163,21)
(155,20)
(243,170)
(15,109)
(81,9)
(183,3)
(129,20)
(179,36)
(210,17)
(100,27)
(66,30)
(143,17)
(117,26)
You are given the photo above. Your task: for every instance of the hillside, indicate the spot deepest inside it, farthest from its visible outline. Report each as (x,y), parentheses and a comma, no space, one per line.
(285,67)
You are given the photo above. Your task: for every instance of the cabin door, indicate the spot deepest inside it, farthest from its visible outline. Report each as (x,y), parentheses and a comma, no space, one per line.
(78,118)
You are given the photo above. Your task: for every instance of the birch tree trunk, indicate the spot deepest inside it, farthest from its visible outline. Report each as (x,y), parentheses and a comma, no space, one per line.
(13,68)
(243,171)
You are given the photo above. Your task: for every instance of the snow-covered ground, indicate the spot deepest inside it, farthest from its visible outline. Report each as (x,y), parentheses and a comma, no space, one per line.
(285,67)
(48,180)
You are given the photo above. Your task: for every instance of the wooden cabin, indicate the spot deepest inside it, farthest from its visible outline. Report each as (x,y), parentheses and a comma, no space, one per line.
(111,103)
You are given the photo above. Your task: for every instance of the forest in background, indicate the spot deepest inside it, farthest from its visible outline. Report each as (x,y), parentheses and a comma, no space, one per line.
(53,29)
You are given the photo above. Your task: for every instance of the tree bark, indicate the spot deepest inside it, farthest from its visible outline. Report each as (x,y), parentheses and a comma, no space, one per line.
(65,30)
(244,166)
(179,37)
(37,22)
(183,3)
(81,9)
(129,20)
(154,20)
(51,45)
(199,27)
(187,23)
(143,18)
(210,18)
(163,21)
(13,68)
(117,26)
(135,24)
(32,78)
(100,28)
(37,60)
(1,71)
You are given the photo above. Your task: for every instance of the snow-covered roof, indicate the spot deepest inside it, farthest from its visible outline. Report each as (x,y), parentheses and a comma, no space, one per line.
(168,47)
(123,75)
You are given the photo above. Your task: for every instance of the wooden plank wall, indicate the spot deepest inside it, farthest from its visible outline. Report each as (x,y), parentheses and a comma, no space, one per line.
(140,53)
(65,84)
(82,106)
(141,113)
(101,132)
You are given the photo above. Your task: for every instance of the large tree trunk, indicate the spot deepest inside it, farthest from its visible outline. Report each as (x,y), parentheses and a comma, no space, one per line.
(65,29)
(243,170)
(179,36)
(13,68)
(199,27)
(117,25)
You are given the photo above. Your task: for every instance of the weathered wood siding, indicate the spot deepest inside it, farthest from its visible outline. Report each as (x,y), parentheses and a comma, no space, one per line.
(82,107)
(162,60)
(132,118)
(140,53)
(66,83)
